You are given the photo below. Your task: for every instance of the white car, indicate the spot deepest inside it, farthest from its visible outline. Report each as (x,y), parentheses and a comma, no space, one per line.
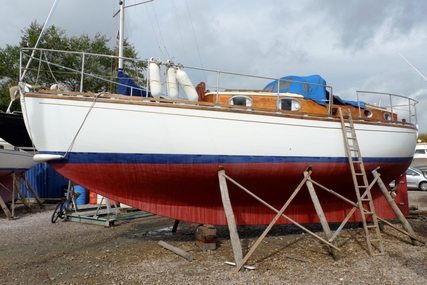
(415,179)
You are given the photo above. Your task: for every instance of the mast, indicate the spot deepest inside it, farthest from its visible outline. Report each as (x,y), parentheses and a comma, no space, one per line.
(121,27)
(121,33)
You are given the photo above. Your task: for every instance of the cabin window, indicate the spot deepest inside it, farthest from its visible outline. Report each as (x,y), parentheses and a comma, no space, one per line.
(420,151)
(286,85)
(269,88)
(240,100)
(368,113)
(387,116)
(288,104)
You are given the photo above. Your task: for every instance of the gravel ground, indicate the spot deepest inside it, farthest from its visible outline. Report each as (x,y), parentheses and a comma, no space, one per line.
(35,251)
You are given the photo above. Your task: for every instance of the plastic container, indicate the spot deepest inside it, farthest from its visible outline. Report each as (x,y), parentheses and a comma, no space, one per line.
(81,200)
(93,197)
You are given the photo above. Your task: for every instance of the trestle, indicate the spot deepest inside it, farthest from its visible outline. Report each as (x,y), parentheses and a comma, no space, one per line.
(364,204)
(17,181)
(235,241)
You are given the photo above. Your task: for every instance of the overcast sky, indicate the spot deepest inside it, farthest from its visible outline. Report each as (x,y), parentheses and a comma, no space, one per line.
(353,44)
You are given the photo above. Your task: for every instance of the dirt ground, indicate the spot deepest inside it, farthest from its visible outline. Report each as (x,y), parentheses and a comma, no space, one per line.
(35,251)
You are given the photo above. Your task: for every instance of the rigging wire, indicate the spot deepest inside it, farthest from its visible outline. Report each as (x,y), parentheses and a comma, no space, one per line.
(44,29)
(179,29)
(195,39)
(160,31)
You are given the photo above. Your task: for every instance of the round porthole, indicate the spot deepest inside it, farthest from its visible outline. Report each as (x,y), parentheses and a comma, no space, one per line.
(387,116)
(367,113)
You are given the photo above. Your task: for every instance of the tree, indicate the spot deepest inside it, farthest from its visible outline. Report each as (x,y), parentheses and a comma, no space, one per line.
(422,137)
(41,73)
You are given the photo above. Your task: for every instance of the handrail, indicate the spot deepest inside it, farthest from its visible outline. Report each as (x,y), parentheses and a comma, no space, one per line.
(395,102)
(411,104)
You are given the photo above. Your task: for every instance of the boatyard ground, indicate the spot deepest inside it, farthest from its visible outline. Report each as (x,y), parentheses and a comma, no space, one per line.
(35,251)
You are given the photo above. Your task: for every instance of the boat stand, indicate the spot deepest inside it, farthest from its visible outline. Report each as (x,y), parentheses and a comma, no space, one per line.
(235,241)
(4,206)
(335,251)
(100,214)
(17,181)
(86,215)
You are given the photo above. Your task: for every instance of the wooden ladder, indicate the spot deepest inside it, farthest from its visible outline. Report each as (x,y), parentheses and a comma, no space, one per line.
(361,186)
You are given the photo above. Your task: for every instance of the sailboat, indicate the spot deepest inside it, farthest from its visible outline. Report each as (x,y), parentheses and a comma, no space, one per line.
(161,152)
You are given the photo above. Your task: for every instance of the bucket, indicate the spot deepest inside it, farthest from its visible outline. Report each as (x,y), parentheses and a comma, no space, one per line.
(92,197)
(102,201)
(81,200)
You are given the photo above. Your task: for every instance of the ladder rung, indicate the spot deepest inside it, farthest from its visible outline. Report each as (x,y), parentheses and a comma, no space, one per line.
(368,213)
(375,240)
(371,226)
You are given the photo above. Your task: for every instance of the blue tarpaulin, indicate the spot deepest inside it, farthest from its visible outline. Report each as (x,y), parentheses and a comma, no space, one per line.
(128,87)
(311,87)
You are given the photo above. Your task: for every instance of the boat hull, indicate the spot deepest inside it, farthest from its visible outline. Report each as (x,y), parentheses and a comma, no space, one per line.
(164,159)
(12,161)
(12,130)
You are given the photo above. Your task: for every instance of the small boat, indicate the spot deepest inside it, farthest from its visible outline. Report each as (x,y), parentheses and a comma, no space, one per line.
(15,160)
(420,156)
(13,130)
(159,147)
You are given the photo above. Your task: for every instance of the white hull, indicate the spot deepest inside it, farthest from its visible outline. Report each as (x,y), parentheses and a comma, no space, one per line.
(12,159)
(59,126)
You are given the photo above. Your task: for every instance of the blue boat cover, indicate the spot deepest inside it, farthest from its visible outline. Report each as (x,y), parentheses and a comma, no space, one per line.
(128,87)
(311,87)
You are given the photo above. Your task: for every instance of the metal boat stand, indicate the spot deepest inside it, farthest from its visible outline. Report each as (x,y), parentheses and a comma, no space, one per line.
(335,251)
(100,214)
(19,180)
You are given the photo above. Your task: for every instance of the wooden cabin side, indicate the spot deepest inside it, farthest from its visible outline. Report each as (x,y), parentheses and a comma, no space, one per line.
(267,101)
